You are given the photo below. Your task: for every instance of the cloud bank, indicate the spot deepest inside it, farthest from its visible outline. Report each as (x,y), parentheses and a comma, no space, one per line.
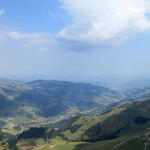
(104,22)
(96,24)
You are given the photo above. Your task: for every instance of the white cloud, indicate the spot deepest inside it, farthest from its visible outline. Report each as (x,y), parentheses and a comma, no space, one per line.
(99,22)
(31,38)
(2,12)
(40,41)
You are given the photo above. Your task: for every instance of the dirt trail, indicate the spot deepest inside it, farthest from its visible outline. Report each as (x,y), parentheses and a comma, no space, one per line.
(123,142)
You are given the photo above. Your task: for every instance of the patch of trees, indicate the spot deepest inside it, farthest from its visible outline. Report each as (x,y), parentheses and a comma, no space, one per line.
(95,134)
(41,132)
(141,120)
(75,128)
(32,133)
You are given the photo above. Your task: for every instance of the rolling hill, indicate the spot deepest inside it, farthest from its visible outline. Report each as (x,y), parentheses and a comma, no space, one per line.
(42,100)
(104,118)
(126,127)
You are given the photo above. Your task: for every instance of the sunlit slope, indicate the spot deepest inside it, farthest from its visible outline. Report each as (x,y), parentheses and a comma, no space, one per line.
(133,142)
(126,127)
(110,125)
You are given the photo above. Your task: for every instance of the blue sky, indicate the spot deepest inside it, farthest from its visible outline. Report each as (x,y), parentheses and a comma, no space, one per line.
(34,15)
(74,39)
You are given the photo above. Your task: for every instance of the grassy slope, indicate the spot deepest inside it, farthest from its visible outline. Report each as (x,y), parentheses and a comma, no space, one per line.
(110,122)
(132,138)
(87,122)
(55,144)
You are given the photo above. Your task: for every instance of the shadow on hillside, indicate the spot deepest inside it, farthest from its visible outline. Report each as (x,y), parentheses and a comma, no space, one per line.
(81,146)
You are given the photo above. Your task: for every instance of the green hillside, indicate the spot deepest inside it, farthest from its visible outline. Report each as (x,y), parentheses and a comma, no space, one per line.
(126,127)
(43,101)
(110,125)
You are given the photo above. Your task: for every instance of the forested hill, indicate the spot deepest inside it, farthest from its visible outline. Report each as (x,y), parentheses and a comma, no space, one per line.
(51,98)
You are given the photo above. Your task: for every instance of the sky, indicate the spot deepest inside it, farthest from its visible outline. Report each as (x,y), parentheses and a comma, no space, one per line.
(74,39)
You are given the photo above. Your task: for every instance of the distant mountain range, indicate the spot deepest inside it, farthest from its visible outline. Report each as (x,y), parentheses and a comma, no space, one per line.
(47,98)
(42,98)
